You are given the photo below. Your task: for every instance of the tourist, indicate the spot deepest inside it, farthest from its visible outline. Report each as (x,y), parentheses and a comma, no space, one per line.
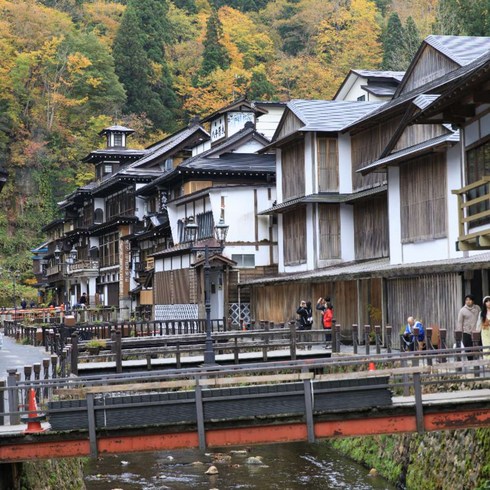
(305,318)
(409,333)
(325,306)
(467,320)
(483,325)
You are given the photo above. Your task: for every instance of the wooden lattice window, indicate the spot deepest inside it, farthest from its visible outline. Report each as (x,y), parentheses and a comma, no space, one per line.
(329,231)
(294,229)
(328,164)
(293,170)
(423,199)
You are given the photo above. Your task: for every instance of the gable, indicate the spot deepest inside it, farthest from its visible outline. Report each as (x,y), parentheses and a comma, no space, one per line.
(418,133)
(429,65)
(289,125)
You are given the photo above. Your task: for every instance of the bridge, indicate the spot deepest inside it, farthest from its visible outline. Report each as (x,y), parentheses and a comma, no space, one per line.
(217,406)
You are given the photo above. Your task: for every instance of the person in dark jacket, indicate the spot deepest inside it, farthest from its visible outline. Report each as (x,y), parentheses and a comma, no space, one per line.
(305,318)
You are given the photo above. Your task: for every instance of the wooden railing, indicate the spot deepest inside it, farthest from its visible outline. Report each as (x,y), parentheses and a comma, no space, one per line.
(468,218)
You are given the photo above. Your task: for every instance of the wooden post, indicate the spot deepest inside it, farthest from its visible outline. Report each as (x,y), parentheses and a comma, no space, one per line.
(118,351)
(336,329)
(292,340)
(236,352)
(428,343)
(74,353)
(458,336)
(354,337)
(389,331)
(46,376)
(443,343)
(476,339)
(367,330)
(265,340)
(2,401)
(377,331)
(13,396)
(54,366)
(419,409)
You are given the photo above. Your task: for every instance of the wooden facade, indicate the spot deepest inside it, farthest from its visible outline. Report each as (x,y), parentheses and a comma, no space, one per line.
(371,231)
(434,299)
(366,147)
(423,198)
(175,287)
(289,126)
(354,301)
(294,233)
(431,65)
(328,164)
(329,231)
(293,165)
(418,133)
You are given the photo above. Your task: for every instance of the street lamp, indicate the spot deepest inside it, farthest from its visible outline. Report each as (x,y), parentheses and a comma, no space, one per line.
(221,230)
(70,260)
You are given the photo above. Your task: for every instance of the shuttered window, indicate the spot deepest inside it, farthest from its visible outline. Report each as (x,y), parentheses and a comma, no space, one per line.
(293,170)
(328,165)
(294,229)
(329,231)
(423,199)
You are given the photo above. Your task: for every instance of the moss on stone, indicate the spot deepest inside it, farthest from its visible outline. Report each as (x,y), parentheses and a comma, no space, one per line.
(53,473)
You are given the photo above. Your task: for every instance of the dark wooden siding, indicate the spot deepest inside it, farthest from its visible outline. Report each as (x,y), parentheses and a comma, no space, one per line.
(432,299)
(328,164)
(423,198)
(175,287)
(431,65)
(366,147)
(293,170)
(329,231)
(371,228)
(294,236)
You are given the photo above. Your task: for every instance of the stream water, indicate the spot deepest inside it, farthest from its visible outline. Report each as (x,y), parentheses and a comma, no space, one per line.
(285,467)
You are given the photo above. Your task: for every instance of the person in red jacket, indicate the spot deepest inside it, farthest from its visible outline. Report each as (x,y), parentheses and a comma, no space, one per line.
(325,306)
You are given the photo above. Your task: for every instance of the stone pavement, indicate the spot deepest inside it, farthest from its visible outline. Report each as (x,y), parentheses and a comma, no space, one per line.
(14,355)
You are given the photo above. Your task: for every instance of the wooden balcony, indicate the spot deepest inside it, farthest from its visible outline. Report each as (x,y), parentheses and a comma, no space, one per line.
(85,268)
(474,215)
(53,270)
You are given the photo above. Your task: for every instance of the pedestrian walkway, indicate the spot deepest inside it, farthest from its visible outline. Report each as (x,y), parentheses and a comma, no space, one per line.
(14,355)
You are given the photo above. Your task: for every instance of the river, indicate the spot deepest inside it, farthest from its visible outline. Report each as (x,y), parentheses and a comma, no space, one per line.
(285,467)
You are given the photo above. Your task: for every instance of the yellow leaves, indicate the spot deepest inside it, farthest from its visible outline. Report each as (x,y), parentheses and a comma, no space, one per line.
(94,82)
(105,17)
(77,62)
(156,72)
(348,38)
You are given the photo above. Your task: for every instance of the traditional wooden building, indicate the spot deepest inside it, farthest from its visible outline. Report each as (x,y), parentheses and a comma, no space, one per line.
(230,182)
(402,260)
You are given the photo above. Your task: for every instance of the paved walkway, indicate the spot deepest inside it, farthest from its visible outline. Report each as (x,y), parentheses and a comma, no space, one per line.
(13,355)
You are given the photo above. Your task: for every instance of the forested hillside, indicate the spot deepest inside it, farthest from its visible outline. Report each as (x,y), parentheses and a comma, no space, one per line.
(71,67)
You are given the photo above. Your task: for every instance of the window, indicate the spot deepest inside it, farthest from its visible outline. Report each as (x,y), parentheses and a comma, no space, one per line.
(120,204)
(205,225)
(293,170)
(423,199)
(244,260)
(361,98)
(109,250)
(294,226)
(478,166)
(329,231)
(118,139)
(328,166)
(107,168)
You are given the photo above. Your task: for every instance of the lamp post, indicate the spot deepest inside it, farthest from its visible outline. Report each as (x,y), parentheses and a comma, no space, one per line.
(221,230)
(70,259)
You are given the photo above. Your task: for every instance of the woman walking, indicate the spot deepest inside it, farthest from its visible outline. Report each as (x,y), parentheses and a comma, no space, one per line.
(483,325)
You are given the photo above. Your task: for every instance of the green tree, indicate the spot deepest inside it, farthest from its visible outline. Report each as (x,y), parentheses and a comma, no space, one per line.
(411,41)
(260,87)
(393,36)
(463,17)
(139,54)
(215,54)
